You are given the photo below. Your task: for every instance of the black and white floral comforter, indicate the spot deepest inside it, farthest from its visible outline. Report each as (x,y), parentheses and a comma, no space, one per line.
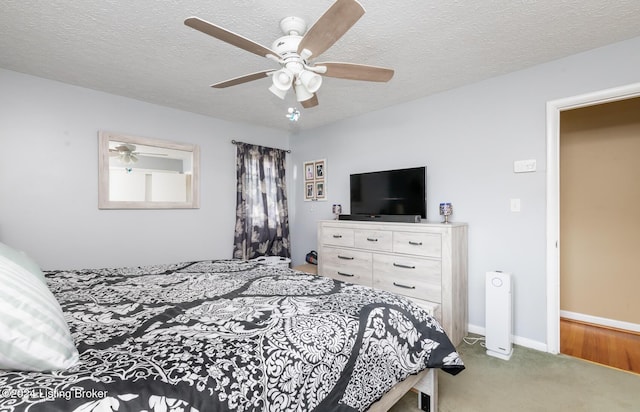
(228,335)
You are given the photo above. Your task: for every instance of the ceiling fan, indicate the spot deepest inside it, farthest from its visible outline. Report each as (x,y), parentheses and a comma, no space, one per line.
(127,153)
(295,52)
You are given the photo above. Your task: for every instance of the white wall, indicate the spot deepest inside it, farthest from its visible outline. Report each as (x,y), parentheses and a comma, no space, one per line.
(468,138)
(49,178)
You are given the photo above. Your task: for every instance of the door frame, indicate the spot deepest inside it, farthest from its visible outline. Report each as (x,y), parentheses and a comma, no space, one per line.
(554,107)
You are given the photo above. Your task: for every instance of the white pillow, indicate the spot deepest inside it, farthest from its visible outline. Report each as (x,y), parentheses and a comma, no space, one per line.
(22,259)
(33,333)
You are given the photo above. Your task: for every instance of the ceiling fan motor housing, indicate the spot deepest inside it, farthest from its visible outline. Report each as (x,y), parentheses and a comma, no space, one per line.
(293,25)
(294,66)
(287,45)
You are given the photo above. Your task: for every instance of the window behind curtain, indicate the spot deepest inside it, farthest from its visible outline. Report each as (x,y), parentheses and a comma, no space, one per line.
(262,216)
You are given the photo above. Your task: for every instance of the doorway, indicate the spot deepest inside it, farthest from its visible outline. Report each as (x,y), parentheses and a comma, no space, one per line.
(554,108)
(599,236)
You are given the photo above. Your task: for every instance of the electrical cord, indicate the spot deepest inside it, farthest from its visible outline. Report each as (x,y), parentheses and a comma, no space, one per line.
(473,341)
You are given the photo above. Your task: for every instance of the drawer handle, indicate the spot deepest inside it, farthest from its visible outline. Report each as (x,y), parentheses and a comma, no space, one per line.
(372,239)
(398,265)
(400,285)
(337,236)
(346,274)
(415,243)
(345,257)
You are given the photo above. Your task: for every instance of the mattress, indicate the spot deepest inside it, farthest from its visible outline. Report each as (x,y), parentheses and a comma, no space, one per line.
(228,335)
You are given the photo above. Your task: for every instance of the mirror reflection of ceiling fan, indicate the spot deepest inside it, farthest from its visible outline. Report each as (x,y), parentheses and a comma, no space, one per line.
(295,52)
(127,153)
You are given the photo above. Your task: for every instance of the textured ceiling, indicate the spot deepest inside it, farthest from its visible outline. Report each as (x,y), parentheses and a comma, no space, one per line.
(141,49)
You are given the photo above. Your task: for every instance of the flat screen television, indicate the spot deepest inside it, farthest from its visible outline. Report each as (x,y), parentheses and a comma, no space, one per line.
(389,192)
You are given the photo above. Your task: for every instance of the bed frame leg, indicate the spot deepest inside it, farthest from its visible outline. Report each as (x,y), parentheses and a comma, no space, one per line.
(428,391)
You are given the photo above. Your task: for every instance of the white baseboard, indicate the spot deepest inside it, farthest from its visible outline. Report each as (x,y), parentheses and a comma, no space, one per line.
(478,330)
(542,346)
(530,343)
(612,323)
(518,340)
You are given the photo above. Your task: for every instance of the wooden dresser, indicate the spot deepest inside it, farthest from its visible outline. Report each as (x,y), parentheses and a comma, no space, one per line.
(426,262)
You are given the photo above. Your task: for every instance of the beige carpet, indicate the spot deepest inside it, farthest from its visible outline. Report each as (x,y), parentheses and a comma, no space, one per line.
(531,381)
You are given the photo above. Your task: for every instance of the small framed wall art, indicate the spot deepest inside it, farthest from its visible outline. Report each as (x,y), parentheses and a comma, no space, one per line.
(315,180)
(309,191)
(320,190)
(319,169)
(309,171)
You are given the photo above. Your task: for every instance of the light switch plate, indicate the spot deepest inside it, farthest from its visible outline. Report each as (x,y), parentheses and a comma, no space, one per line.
(524,166)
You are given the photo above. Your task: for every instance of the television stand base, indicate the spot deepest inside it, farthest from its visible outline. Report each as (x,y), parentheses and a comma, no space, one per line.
(383,218)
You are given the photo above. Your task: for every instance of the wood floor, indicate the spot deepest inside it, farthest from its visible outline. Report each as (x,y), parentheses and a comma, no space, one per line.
(611,347)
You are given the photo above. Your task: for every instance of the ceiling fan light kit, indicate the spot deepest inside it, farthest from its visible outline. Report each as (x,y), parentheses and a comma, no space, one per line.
(128,158)
(295,50)
(281,93)
(282,79)
(310,80)
(302,94)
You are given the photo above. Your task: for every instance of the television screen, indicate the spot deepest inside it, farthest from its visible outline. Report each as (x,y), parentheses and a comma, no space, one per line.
(389,192)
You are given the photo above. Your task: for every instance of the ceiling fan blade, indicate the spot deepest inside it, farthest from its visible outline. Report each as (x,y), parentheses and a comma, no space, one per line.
(312,102)
(242,79)
(229,37)
(357,71)
(332,25)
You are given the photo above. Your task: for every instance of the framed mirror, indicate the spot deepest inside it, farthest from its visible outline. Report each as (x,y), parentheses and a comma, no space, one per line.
(144,173)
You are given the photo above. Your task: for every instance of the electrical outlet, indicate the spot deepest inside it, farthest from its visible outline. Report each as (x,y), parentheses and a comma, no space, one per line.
(425,402)
(515,205)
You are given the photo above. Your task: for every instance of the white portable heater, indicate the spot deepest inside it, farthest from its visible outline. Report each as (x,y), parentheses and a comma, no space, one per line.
(498,313)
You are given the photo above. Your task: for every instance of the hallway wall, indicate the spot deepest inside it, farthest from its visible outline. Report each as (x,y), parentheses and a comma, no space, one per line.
(599,171)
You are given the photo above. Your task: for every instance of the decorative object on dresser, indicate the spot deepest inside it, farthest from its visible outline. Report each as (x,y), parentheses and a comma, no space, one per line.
(424,261)
(446,210)
(337,211)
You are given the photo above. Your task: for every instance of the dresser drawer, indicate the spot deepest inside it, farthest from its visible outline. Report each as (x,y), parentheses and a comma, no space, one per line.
(348,265)
(417,278)
(378,240)
(419,244)
(337,236)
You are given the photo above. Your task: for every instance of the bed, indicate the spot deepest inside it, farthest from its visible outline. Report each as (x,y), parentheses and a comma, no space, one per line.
(227,335)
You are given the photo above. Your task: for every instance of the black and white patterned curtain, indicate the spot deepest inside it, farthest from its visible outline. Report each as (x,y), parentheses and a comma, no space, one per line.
(262,215)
